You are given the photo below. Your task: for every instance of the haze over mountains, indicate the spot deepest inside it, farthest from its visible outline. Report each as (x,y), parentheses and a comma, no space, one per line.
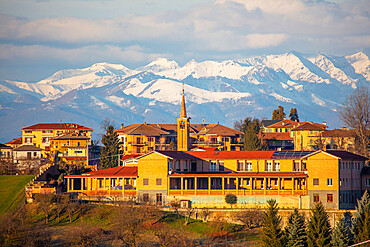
(218,91)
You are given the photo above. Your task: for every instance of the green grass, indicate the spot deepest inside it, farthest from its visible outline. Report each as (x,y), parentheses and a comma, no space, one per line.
(12,191)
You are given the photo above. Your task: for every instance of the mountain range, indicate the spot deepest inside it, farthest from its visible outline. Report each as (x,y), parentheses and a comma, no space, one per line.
(215,91)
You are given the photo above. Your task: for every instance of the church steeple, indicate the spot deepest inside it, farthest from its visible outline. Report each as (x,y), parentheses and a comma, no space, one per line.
(183,108)
(183,123)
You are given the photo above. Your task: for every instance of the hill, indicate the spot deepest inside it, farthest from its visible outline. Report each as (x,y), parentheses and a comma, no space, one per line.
(12,191)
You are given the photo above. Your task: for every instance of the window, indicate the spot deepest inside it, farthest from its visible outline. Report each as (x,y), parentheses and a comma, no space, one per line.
(146,197)
(316,182)
(277,166)
(329,182)
(78,152)
(329,198)
(213,166)
(169,165)
(28,139)
(177,165)
(316,198)
(34,154)
(46,140)
(159,181)
(146,181)
(367,182)
(78,144)
(185,166)
(304,165)
(276,182)
(28,131)
(159,198)
(67,143)
(249,166)
(240,165)
(248,181)
(296,166)
(100,182)
(268,166)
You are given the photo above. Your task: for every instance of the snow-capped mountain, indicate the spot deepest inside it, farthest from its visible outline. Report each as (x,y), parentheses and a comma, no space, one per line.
(219,91)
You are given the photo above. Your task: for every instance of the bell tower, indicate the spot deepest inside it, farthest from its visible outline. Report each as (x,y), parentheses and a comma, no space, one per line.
(183,123)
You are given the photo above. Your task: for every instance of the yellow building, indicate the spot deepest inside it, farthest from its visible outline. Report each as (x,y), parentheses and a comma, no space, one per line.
(71,149)
(40,134)
(296,179)
(307,136)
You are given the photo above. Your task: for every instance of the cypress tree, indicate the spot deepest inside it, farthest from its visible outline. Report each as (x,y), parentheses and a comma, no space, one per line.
(295,230)
(341,235)
(109,152)
(318,228)
(293,115)
(272,233)
(251,129)
(361,219)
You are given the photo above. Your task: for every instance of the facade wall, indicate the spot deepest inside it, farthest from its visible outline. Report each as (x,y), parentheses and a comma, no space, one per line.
(152,167)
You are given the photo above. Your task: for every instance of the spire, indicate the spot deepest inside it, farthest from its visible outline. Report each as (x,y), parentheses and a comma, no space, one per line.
(183,108)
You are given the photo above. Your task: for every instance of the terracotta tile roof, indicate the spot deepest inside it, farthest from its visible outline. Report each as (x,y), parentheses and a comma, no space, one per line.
(219,129)
(339,133)
(284,136)
(27,148)
(231,154)
(310,126)
(130,156)
(240,174)
(142,129)
(51,126)
(345,155)
(286,123)
(119,171)
(15,141)
(176,155)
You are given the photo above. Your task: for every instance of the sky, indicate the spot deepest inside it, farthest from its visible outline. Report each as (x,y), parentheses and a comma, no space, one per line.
(40,37)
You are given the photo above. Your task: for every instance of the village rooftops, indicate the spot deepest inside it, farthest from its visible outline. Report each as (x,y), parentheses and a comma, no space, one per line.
(286,123)
(71,136)
(309,126)
(27,148)
(218,129)
(15,141)
(277,136)
(119,171)
(142,129)
(344,155)
(3,146)
(223,155)
(56,126)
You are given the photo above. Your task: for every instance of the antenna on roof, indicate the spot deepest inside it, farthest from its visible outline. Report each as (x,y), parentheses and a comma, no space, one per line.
(203,120)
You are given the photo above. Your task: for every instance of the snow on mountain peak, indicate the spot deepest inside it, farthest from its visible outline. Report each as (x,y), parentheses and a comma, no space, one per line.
(160,64)
(361,63)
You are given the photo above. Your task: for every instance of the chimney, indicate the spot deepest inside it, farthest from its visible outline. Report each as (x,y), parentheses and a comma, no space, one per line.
(324,123)
(24,126)
(122,125)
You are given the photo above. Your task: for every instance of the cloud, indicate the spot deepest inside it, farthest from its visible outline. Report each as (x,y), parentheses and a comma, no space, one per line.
(93,53)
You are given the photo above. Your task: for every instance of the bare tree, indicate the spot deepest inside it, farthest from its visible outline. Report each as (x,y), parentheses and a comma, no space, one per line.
(205,213)
(175,204)
(249,217)
(45,204)
(85,235)
(355,113)
(188,213)
(71,207)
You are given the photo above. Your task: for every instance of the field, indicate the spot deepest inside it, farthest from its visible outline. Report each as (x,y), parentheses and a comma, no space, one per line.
(12,191)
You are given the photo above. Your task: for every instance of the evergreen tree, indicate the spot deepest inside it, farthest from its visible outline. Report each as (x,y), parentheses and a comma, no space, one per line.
(295,230)
(272,233)
(293,115)
(278,114)
(318,228)
(341,235)
(251,129)
(109,152)
(361,219)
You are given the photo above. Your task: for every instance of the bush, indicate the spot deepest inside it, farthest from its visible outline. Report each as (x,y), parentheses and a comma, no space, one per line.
(231,199)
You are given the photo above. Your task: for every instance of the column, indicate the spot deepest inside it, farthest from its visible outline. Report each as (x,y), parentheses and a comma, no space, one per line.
(293,184)
(72,184)
(237,185)
(264,185)
(223,185)
(110,184)
(195,185)
(209,185)
(279,185)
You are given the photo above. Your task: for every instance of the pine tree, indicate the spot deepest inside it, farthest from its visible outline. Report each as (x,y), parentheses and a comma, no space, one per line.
(251,129)
(341,235)
(293,115)
(278,114)
(318,228)
(272,233)
(361,219)
(295,230)
(109,152)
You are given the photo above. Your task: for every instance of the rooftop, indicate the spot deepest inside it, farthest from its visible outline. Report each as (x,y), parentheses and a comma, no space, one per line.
(119,171)
(53,126)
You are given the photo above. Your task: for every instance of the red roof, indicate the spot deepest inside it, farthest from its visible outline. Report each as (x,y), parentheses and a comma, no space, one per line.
(15,141)
(286,123)
(62,126)
(284,136)
(119,171)
(310,126)
(231,154)
(240,174)
(130,156)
